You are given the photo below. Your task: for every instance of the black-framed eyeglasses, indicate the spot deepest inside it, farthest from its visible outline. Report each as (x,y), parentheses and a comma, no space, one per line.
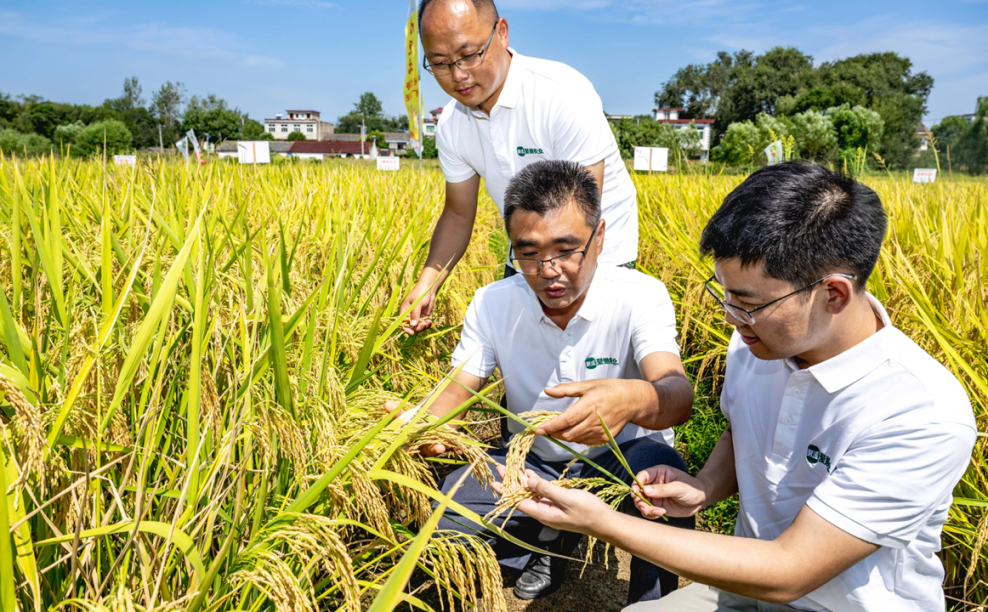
(467,62)
(567,262)
(747,316)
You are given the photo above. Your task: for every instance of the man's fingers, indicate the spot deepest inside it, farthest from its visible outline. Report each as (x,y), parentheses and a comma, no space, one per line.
(500,470)
(392,405)
(575,389)
(651,512)
(568,419)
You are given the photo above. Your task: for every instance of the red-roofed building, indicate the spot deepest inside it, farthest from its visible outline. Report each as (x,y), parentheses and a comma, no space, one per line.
(305,121)
(306,149)
(429,124)
(704,126)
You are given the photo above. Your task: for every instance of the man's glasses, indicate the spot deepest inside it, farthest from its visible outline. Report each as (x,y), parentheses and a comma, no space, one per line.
(467,62)
(747,317)
(567,262)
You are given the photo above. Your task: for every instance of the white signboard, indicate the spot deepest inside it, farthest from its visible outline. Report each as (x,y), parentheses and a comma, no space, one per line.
(391,164)
(924,175)
(253,152)
(125,160)
(774,152)
(652,159)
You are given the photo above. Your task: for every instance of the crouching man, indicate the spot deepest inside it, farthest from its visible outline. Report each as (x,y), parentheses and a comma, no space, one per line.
(845,439)
(577,338)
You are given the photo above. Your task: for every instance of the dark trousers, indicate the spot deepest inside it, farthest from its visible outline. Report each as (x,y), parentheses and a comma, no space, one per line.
(648,581)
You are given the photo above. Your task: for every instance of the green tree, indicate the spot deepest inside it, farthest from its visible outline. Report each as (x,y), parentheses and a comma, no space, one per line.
(90,140)
(429,150)
(296,136)
(253,130)
(65,135)
(217,122)
(815,135)
(13,142)
(130,108)
(950,132)
(370,111)
(857,128)
(974,142)
(166,107)
(740,145)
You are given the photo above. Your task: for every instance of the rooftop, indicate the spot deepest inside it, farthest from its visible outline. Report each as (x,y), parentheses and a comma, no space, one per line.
(301,111)
(698,121)
(669,109)
(330,146)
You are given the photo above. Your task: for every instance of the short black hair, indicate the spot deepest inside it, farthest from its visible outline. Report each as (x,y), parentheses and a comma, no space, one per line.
(480,5)
(802,221)
(550,184)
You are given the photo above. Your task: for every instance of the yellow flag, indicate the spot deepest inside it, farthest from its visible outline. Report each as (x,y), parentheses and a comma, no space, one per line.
(412,78)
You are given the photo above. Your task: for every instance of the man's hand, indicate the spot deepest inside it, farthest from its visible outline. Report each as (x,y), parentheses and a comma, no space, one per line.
(618,401)
(559,508)
(418,318)
(426,450)
(671,492)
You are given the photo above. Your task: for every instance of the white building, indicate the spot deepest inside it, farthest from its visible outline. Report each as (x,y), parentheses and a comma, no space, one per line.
(429,124)
(704,126)
(305,121)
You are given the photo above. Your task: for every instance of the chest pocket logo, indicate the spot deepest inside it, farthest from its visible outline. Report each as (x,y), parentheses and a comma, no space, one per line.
(814,455)
(522,151)
(593,362)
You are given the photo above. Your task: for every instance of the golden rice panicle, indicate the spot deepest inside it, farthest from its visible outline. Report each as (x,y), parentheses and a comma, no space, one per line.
(464,562)
(28,433)
(462,444)
(266,571)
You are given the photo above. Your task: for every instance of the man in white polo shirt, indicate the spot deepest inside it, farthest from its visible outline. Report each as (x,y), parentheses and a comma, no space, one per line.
(845,438)
(508,111)
(572,336)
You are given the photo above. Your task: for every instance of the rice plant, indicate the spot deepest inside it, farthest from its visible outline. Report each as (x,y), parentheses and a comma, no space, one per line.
(194,364)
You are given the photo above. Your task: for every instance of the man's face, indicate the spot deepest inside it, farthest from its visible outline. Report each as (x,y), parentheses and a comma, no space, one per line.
(452,30)
(563,230)
(789,327)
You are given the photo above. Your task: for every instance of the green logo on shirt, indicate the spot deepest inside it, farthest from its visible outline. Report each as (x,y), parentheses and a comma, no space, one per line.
(522,151)
(593,362)
(814,455)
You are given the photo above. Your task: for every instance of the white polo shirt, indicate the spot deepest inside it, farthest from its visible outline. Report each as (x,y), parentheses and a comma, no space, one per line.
(626,316)
(873,440)
(546,110)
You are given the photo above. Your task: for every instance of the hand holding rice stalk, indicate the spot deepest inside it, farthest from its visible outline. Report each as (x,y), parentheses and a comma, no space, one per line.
(514,485)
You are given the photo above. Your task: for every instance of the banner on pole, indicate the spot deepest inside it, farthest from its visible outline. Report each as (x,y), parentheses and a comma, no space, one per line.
(412,99)
(924,175)
(774,152)
(183,147)
(191,135)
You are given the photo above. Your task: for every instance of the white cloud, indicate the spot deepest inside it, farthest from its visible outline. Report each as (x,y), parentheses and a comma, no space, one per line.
(645,11)
(155,37)
(937,47)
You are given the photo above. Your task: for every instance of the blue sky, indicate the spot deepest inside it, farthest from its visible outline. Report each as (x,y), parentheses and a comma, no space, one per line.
(264,56)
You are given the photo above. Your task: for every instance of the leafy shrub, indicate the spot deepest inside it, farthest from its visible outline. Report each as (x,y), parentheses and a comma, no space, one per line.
(13,142)
(89,141)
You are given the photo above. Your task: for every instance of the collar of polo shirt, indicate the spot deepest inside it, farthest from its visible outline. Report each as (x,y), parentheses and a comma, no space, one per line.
(588,309)
(855,363)
(508,97)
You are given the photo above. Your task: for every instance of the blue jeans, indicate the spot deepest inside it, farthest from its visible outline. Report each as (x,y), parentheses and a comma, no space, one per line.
(648,582)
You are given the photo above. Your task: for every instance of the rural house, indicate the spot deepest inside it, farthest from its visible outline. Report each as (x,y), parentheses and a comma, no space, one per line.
(704,126)
(305,121)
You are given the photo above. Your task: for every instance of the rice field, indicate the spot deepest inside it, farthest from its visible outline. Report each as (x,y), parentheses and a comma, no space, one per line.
(194,364)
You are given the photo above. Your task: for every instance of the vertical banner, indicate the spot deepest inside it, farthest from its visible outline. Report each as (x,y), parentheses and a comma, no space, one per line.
(412,103)
(774,152)
(195,144)
(183,147)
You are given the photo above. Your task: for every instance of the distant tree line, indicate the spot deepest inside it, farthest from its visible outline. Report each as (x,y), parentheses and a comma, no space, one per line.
(369,112)
(871,102)
(961,144)
(32,125)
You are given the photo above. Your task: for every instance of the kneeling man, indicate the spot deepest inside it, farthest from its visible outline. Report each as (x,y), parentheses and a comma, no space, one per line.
(577,338)
(845,438)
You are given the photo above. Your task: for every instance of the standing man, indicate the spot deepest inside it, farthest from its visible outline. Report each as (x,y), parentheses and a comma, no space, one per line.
(845,439)
(509,111)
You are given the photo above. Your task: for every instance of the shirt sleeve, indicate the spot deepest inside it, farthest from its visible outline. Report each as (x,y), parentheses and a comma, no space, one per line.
(884,489)
(475,349)
(654,324)
(455,169)
(580,132)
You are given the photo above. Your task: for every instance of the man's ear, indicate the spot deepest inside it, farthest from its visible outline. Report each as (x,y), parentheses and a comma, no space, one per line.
(840,293)
(600,236)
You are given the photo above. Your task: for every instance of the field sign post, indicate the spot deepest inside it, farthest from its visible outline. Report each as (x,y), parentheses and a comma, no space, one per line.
(924,175)
(651,158)
(388,164)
